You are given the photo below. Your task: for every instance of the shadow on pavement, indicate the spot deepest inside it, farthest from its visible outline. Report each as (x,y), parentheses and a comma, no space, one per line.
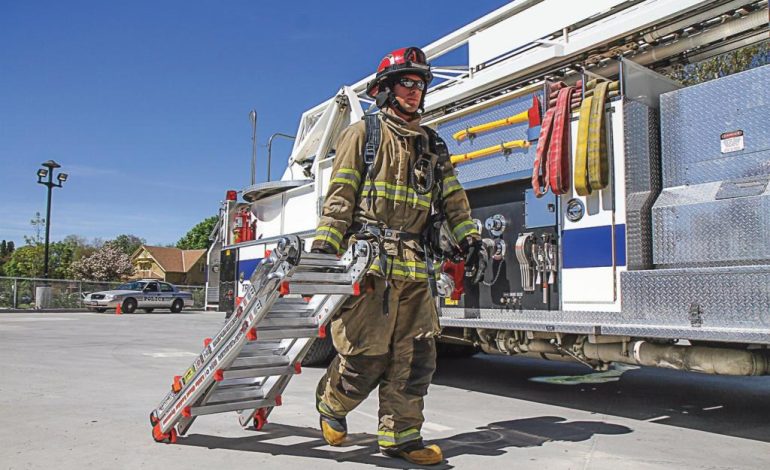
(490,440)
(732,406)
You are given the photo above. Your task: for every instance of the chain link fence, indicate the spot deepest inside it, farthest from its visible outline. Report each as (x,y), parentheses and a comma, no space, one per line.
(18,293)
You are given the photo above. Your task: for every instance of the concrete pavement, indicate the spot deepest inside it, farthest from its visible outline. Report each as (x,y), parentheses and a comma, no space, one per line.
(77,389)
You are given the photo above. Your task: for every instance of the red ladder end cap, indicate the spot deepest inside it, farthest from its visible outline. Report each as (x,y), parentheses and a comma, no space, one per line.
(322,332)
(278,400)
(356,288)
(298,367)
(206,342)
(219,375)
(251,335)
(284,288)
(176,385)
(187,412)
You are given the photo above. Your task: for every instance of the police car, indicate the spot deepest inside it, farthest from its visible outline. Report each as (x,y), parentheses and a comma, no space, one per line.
(147,294)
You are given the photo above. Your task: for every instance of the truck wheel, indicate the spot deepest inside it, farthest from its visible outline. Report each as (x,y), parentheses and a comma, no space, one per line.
(321,352)
(148,310)
(177,306)
(129,305)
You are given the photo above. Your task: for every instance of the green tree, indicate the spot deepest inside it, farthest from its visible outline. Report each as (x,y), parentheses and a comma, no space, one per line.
(128,243)
(27,261)
(198,236)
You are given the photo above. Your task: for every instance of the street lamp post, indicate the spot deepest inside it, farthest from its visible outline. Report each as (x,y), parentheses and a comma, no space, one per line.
(48,171)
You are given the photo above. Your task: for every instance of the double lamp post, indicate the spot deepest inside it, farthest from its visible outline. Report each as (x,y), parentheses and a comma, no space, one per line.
(42,173)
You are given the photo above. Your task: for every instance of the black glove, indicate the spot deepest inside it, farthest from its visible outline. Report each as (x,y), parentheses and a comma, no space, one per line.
(321,247)
(476,260)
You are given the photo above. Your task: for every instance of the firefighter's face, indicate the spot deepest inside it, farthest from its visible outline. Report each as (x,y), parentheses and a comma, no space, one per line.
(409,98)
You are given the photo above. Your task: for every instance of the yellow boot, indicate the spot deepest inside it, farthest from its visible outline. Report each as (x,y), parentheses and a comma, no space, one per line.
(334,430)
(416,452)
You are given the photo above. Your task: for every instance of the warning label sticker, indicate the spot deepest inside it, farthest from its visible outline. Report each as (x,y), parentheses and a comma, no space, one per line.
(731,141)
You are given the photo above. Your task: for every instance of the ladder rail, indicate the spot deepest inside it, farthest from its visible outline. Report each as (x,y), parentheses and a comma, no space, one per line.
(245,368)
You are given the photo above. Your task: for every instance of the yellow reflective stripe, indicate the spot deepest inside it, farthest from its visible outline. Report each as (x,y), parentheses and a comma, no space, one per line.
(390,439)
(347,176)
(407,269)
(330,235)
(464,229)
(398,193)
(450,185)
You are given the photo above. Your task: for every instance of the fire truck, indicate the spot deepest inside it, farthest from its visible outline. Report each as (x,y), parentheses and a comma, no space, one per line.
(625,213)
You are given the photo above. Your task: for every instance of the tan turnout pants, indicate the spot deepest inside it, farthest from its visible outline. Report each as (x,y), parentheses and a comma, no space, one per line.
(395,351)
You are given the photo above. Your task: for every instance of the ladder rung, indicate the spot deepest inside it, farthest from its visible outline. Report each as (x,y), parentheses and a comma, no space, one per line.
(326,278)
(233,406)
(291,311)
(288,322)
(310,257)
(260,361)
(313,289)
(259,372)
(246,382)
(288,333)
(237,394)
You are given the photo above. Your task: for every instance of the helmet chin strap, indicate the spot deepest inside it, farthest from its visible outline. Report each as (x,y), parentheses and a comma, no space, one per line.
(387,98)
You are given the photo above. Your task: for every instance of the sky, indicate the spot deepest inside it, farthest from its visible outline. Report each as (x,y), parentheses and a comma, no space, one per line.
(145,104)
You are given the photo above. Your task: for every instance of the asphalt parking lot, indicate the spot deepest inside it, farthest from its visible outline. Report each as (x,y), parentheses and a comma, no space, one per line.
(77,389)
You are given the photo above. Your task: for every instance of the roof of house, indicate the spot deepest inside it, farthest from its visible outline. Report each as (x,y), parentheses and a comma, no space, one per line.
(172,259)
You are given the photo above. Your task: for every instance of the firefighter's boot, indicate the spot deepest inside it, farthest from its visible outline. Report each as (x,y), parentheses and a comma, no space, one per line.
(334,430)
(416,452)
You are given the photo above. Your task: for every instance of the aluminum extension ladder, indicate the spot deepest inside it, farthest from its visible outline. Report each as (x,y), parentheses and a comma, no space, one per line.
(248,364)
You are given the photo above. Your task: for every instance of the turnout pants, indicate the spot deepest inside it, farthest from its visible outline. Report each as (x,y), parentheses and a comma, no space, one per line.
(395,351)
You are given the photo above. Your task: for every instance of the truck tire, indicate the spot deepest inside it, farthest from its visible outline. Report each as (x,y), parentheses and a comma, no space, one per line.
(321,352)
(177,306)
(129,305)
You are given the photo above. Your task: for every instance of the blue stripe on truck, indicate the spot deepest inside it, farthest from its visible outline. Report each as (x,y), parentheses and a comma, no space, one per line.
(592,247)
(246,268)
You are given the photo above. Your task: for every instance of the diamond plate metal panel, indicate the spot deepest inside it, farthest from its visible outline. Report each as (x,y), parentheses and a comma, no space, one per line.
(693,118)
(642,165)
(519,160)
(691,228)
(732,297)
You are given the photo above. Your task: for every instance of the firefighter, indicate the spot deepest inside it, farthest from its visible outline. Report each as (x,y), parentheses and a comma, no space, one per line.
(385,337)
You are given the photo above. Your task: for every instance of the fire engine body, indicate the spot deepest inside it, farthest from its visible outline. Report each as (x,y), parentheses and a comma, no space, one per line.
(668,265)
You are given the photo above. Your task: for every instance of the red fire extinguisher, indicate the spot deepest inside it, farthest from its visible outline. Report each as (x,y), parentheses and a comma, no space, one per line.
(243,230)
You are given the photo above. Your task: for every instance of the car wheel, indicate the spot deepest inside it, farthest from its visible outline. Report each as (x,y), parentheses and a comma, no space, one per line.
(148,310)
(129,305)
(177,306)
(100,310)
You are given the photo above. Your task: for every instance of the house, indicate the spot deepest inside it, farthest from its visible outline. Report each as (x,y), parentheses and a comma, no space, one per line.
(185,267)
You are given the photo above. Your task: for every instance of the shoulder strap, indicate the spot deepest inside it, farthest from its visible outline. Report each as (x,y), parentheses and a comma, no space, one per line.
(437,145)
(373,135)
(372,142)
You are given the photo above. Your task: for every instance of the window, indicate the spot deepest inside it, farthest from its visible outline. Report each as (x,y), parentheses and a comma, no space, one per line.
(166,287)
(152,287)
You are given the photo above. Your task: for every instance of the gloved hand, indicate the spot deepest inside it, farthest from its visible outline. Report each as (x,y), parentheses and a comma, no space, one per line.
(476,259)
(322,248)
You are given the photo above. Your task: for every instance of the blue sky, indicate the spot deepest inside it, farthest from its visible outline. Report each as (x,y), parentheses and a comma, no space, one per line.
(145,103)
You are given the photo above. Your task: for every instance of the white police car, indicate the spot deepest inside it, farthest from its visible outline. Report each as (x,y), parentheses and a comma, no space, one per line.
(147,294)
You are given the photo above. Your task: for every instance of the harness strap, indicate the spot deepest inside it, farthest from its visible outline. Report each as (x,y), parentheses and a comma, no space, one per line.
(373,136)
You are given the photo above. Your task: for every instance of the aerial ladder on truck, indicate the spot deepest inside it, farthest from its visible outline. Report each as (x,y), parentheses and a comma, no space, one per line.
(248,364)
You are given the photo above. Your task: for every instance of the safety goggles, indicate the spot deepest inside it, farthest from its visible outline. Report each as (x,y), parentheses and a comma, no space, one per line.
(410,83)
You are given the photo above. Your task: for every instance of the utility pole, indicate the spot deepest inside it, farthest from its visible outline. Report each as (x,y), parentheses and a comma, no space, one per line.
(48,171)
(253,119)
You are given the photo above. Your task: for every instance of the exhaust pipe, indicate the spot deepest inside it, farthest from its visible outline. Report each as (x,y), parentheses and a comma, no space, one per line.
(703,359)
